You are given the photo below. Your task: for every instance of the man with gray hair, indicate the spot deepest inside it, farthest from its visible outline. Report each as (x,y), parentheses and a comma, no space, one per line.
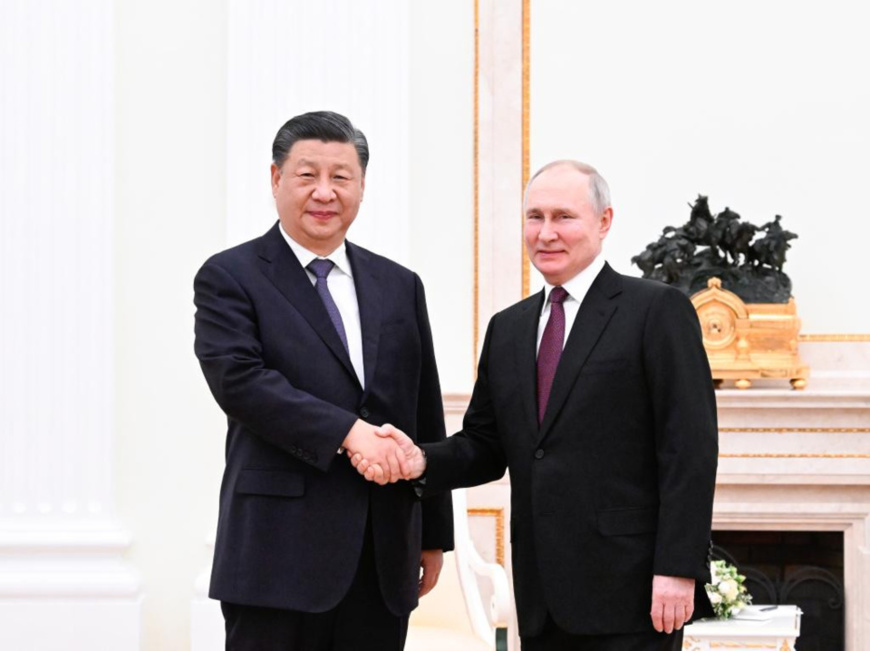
(308,342)
(597,395)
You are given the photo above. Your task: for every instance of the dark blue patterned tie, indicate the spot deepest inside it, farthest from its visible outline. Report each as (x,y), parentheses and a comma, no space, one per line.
(321,269)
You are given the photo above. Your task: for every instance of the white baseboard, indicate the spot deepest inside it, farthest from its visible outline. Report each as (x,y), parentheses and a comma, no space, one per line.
(71,624)
(65,586)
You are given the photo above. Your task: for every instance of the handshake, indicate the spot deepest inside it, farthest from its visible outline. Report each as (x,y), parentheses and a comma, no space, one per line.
(383,454)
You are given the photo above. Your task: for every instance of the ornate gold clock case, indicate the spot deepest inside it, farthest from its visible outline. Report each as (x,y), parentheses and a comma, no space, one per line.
(747,341)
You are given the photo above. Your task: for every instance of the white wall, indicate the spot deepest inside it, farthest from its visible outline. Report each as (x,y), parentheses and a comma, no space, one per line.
(440,177)
(170,204)
(278,67)
(388,70)
(760,105)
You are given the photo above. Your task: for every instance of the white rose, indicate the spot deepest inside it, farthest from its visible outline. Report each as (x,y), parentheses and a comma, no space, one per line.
(714,575)
(728,588)
(715,598)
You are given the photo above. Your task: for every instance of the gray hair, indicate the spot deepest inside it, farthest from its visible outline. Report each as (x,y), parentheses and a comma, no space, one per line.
(325,126)
(599,191)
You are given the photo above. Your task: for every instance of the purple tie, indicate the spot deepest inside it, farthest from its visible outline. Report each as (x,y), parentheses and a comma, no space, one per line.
(551,349)
(321,268)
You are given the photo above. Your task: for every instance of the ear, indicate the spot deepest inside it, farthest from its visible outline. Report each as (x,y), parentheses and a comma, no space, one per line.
(276,178)
(362,187)
(606,222)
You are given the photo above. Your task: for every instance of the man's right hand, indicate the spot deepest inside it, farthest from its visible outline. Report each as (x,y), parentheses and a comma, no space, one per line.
(381,451)
(409,457)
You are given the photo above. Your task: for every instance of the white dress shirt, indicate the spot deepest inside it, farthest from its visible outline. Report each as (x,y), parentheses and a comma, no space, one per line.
(577,288)
(343,291)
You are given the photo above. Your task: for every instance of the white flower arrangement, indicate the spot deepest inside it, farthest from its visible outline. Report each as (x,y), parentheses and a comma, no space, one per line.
(726,591)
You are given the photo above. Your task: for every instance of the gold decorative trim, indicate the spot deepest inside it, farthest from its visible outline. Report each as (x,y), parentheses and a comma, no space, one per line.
(526,108)
(696,644)
(820,455)
(834,338)
(797,430)
(475,326)
(498,514)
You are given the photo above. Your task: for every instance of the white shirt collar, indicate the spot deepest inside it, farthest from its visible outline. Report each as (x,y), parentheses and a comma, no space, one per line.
(338,257)
(579,285)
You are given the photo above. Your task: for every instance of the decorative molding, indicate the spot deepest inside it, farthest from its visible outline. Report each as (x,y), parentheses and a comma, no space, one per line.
(527,18)
(834,338)
(498,514)
(796,430)
(789,455)
(55,538)
(781,400)
(455,403)
(475,325)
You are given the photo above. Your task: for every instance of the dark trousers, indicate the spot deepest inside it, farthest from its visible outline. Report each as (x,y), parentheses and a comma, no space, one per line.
(360,622)
(553,638)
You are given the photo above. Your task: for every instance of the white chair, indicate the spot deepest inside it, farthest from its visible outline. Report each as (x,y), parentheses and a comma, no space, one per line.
(454,615)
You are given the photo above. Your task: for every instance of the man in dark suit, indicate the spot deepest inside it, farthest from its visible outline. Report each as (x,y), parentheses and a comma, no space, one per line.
(597,395)
(307,342)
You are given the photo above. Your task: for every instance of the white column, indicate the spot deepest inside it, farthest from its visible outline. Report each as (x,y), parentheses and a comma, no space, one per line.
(500,159)
(61,572)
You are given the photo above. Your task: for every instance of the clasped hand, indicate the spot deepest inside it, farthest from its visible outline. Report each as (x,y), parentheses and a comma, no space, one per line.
(383,454)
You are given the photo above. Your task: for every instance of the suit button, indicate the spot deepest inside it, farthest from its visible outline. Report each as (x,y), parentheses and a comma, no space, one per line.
(539,454)
(364,412)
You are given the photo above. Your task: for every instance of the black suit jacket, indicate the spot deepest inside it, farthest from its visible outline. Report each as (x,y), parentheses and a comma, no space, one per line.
(292,511)
(616,485)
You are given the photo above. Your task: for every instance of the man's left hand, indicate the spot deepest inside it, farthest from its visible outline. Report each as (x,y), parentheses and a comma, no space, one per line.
(673,602)
(431,562)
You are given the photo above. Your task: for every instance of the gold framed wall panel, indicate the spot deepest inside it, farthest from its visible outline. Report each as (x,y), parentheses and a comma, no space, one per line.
(498,514)
(526,148)
(475,292)
(525,156)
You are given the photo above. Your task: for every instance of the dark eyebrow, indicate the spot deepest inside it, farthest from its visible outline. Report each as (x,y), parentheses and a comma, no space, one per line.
(557,210)
(340,166)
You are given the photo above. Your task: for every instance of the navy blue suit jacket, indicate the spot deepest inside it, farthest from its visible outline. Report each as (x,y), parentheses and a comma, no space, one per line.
(292,511)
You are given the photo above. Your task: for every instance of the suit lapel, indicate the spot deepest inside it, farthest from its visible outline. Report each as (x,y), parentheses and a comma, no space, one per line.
(282,268)
(527,364)
(595,312)
(368,285)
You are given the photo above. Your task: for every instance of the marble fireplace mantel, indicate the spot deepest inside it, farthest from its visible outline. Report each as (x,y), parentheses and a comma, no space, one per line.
(800,461)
